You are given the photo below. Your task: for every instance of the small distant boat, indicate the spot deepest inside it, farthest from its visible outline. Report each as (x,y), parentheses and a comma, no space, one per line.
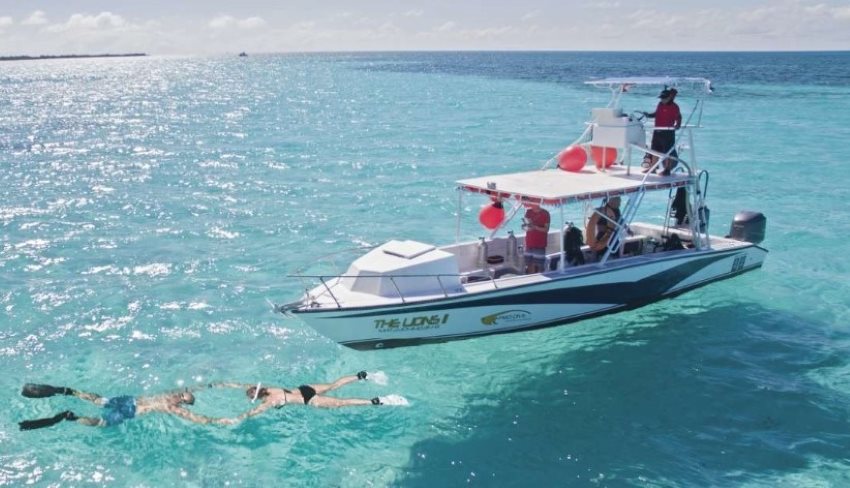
(243,54)
(405,292)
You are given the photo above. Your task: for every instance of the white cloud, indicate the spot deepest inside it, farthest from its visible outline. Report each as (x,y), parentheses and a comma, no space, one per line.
(304,26)
(36,18)
(531,15)
(537,24)
(605,5)
(83,22)
(758,15)
(228,21)
(489,33)
(841,13)
(819,8)
(388,29)
(222,22)
(83,33)
(446,27)
(643,19)
(251,23)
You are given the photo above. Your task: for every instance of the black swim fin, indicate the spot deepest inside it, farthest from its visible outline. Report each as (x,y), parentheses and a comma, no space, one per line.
(47,422)
(31,390)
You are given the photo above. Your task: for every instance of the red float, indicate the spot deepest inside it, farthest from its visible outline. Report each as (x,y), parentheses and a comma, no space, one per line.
(572,158)
(603,155)
(492,216)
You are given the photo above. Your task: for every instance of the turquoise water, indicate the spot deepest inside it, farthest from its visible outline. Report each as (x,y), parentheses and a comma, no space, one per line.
(152,207)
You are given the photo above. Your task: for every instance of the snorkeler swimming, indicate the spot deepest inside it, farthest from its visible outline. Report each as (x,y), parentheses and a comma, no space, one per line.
(116,410)
(312,394)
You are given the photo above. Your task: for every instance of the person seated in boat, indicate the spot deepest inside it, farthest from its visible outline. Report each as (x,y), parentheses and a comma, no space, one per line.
(312,394)
(668,118)
(115,409)
(536,225)
(573,240)
(602,225)
(679,207)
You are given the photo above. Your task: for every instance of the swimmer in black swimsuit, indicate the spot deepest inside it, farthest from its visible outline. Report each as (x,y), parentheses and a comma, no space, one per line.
(313,395)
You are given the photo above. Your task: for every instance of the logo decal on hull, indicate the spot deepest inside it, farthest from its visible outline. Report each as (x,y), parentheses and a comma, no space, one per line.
(738,263)
(421,322)
(507,317)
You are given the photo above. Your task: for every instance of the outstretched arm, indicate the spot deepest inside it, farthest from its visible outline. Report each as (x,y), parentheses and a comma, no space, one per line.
(198,419)
(224,421)
(222,384)
(254,411)
(250,413)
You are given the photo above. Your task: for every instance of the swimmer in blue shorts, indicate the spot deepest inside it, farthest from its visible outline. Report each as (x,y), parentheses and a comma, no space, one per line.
(313,395)
(116,409)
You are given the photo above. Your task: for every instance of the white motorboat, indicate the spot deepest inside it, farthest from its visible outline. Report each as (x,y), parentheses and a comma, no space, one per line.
(406,292)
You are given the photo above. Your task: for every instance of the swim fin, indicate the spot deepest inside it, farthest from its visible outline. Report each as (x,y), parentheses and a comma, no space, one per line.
(31,390)
(395,400)
(47,422)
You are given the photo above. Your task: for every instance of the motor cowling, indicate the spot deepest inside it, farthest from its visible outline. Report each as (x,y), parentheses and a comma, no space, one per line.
(748,226)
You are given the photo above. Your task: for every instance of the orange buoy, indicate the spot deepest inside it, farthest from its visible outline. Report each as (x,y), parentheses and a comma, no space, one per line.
(603,156)
(572,158)
(491,216)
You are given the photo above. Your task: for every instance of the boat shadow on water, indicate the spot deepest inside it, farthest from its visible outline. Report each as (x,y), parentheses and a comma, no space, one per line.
(738,393)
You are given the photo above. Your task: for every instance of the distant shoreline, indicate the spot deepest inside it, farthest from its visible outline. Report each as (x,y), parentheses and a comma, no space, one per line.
(68,56)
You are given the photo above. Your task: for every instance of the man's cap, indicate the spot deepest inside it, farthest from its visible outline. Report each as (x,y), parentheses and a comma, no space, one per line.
(668,92)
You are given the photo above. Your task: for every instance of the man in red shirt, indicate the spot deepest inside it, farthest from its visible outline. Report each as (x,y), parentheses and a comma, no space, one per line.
(668,118)
(536,225)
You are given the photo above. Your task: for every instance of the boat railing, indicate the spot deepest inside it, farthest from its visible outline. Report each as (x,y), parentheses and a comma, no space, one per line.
(584,137)
(328,282)
(660,160)
(331,258)
(622,226)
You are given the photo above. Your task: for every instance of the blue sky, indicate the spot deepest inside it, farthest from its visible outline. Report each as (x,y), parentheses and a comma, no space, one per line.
(216,26)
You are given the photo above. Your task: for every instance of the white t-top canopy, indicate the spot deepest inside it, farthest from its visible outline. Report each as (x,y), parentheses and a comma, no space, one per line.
(558,187)
(701,84)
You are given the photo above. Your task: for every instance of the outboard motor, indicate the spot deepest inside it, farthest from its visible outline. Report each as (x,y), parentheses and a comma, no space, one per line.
(748,226)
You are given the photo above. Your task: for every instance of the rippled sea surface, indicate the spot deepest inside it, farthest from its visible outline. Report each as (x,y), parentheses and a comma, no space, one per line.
(151,208)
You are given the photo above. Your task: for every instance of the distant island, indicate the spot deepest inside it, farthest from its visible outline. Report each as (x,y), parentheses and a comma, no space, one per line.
(68,56)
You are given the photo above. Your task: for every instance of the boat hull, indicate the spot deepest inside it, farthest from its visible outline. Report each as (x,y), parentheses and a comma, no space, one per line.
(563,298)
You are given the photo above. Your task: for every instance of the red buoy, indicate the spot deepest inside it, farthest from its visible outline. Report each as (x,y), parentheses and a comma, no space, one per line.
(492,215)
(603,155)
(572,158)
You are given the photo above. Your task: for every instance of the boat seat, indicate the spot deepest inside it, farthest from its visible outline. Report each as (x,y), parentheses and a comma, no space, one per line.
(553,260)
(475,278)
